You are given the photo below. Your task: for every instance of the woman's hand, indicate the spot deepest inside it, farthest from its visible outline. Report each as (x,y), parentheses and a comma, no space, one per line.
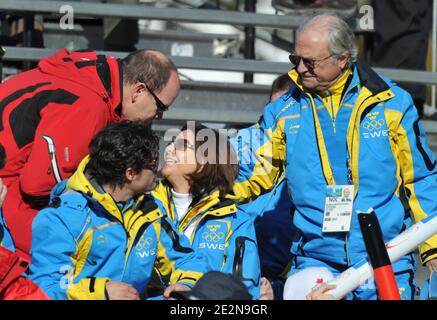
(320,293)
(121,291)
(266,290)
(175,287)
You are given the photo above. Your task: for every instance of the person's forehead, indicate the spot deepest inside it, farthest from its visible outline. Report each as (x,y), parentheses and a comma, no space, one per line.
(311,42)
(187,135)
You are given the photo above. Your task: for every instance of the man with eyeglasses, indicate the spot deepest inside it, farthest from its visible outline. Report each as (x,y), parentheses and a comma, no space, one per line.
(322,135)
(101,237)
(49,115)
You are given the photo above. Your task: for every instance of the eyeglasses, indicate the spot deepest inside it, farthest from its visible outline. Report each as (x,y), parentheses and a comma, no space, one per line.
(152,165)
(160,106)
(182,144)
(310,64)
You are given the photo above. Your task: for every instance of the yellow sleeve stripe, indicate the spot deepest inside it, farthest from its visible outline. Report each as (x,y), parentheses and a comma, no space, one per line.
(393,118)
(406,160)
(88,289)
(82,250)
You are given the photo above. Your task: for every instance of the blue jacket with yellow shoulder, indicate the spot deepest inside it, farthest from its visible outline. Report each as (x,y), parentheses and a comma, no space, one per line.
(84,239)
(222,234)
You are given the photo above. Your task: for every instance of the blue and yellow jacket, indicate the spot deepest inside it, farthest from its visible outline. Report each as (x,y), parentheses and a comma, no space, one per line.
(375,142)
(83,239)
(222,235)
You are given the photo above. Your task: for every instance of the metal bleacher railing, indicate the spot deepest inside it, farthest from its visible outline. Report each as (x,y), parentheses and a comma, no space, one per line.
(147,12)
(233,103)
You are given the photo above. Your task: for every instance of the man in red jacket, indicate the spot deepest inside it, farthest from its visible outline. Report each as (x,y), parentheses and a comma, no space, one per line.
(48,116)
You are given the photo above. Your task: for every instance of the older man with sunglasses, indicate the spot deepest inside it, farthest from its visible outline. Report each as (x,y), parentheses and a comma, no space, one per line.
(343,127)
(50,114)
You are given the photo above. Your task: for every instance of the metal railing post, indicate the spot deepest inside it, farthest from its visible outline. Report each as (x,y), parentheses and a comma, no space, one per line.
(2,53)
(29,21)
(249,39)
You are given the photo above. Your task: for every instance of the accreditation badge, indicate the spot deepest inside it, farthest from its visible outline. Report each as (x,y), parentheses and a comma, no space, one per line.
(338,208)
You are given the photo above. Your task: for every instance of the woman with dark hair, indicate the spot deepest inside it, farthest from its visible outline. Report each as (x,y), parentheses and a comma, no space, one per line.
(199,172)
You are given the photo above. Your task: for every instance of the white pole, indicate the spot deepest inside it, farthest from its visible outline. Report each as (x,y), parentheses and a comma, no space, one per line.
(401,245)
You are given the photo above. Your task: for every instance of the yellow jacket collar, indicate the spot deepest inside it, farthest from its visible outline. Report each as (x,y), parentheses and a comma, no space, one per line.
(376,86)
(337,88)
(294,76)
(162,193)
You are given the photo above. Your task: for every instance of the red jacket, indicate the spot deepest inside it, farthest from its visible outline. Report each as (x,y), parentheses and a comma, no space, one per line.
(13,286)
(48,117)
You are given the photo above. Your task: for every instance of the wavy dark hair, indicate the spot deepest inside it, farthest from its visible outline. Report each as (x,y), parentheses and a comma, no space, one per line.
(118,146)
(220,171)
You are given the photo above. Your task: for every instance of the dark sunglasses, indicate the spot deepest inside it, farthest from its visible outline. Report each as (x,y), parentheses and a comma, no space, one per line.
(153,165)
(310,64)
(181,144)
(160,106)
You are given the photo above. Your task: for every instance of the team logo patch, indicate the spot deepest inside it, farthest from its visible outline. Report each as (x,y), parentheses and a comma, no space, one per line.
(373,126)
(145,247)
(213,237)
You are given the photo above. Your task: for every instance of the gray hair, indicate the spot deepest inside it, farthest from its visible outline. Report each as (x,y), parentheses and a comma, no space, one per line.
(341,38)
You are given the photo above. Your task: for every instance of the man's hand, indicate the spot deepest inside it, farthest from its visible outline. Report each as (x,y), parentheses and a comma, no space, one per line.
(3,191)
(319,293)
(266,290)
(121,291)
(175,287)
(432,265)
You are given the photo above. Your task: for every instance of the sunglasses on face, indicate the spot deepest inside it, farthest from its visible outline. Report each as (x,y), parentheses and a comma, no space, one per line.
(160,106)
(310,64)
(152,165)
(181,144)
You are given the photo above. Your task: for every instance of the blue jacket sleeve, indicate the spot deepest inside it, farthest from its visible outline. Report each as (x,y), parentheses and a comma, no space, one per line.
(261,154)
(242,258)
(53,255)
(52,246)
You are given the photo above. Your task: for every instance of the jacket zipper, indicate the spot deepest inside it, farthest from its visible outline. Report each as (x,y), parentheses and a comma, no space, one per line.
(193,217)
(346,249)
(333,116)
(238,265)
(128,239)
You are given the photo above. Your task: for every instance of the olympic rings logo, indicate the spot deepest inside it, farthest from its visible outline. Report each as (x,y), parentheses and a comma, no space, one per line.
(373,124)
(144,244)
(213,236)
